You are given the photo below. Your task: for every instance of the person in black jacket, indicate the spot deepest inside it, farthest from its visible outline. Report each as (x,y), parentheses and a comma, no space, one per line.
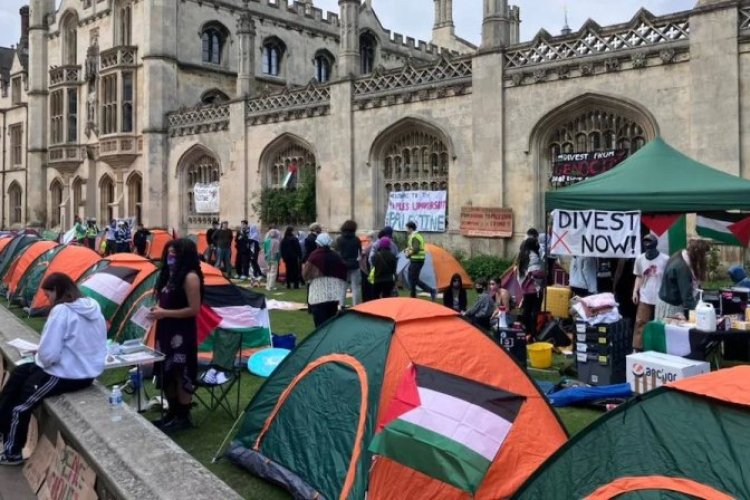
(140,239)
(455,296)
(210,255)
(384,264)
(291,254)
(310,246)
(350,249)
(242,244)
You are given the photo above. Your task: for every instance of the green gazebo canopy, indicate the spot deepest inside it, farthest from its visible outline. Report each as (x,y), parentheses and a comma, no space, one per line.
(657,178)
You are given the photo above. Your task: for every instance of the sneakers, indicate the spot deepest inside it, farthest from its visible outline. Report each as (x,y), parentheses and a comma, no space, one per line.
(177,424)
(8,460)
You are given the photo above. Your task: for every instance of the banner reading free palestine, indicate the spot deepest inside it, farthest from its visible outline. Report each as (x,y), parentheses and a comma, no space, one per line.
(425,208)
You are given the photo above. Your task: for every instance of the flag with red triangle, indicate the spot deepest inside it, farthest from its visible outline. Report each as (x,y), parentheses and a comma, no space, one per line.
(670,231)
(730,228)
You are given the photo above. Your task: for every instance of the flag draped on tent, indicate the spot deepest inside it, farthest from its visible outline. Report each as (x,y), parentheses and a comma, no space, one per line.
(110,287)
(725,227)
(669,229)
(446,426)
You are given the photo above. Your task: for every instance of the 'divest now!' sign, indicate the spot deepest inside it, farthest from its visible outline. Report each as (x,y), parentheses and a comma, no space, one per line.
(596,233)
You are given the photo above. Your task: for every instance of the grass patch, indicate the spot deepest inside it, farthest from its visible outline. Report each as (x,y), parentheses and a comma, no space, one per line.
(203,441)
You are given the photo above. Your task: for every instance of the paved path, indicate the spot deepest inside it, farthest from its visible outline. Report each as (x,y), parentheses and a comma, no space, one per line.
(13,485)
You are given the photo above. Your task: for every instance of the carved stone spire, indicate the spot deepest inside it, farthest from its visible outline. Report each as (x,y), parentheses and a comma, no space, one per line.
(349,51)
(246,53)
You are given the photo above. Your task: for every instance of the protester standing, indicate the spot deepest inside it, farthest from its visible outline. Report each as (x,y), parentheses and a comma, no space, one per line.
(140,239)
(111,246)
(368,290)
(455,296)
(121,238)
(91,233)
(211,251)
(291,254)
(79,231)
(530,275)
(350,249)
(242,246)
(310,246)
(417,254)
(70,356)
(272,254)
(387,231)
(649,271)
(254,245)
(583,279)
(179,290)
(682,276)
(385,263)
(325,274)
(222,239)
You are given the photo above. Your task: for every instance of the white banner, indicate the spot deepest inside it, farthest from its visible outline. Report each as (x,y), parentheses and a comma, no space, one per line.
(425,208)
(206,197)
(596,233)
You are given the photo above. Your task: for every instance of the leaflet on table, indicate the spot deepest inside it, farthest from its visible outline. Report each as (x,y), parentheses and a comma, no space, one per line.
(24,347)
(142,319)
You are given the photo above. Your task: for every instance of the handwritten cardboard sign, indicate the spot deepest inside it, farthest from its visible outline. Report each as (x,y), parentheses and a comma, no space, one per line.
(481,222)
(596,233)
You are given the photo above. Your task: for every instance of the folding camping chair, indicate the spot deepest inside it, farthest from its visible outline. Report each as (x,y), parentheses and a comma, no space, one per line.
(218,379)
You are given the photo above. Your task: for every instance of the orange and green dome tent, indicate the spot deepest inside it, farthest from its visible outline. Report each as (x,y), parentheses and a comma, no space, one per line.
(688,439)
(397,398)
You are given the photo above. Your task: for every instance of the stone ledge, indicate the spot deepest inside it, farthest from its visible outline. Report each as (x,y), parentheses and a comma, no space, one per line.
(132,458)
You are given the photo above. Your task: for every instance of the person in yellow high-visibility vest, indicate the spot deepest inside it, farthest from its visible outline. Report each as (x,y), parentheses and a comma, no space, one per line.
(416,252)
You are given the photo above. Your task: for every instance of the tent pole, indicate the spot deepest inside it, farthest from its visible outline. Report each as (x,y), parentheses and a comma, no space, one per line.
(217,456)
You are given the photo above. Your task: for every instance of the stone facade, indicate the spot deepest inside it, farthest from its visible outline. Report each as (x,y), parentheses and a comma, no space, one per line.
(234,94)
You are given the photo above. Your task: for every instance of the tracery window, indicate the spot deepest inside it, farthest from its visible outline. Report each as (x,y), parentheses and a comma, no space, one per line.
(135,197)
(367,48)
(204,169)
(125,26)
(213,43)
(295,159)
(273,52)
(69,32)
(416,161)
(596,131)
(77,196)
(323,65)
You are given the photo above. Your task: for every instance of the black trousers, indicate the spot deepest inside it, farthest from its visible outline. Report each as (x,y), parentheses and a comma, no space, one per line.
(27,387)
(323,312)
(415,267)
(242,263)
(254,263)
(383,290)
(532,303)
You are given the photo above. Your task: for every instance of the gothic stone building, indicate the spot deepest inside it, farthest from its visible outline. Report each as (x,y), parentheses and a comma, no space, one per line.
(117,108)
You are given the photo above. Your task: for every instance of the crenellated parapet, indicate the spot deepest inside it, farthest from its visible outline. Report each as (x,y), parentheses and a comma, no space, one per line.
(644,41)
(445,78)
(290,104)
(198,120)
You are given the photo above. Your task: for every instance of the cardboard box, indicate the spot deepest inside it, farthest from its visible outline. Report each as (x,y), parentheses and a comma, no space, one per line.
(558,301)
(649,370)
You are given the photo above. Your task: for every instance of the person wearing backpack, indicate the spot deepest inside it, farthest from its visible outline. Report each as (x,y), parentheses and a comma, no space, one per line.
(350,249)
(384,269)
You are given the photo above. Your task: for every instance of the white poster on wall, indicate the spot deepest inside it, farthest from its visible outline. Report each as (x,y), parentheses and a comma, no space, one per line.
(426,208)
(206,198)
(596,233)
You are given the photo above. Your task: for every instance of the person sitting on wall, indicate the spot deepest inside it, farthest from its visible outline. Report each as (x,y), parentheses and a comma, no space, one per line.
(70,356)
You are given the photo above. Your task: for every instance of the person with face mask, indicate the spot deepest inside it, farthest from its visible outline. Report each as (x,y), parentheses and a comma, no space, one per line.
(481,312)
(649,271)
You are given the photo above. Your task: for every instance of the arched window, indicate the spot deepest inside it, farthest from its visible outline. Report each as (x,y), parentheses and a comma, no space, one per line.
(272,54)
(106,199)
(289,164)
(56,199)
(78,196)
(69,32)
(411,156)
(214,96)
(323,65)
(367,48)
(198,167)
(135,196)
(214,36)
(125,24)
(15,203)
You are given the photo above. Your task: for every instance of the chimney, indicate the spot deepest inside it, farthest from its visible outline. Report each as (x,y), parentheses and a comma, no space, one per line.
(24,42)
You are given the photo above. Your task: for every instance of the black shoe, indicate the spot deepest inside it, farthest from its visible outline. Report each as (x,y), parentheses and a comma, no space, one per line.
(163,421)
(177,424)
(8,460)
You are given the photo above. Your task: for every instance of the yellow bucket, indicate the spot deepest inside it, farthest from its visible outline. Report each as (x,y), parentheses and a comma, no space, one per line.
(540,355)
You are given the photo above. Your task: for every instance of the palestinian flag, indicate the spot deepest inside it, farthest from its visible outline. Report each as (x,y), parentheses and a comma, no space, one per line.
(669,229)
(669,339)
(725,227)
(445,426)
(110,287)
(231,308)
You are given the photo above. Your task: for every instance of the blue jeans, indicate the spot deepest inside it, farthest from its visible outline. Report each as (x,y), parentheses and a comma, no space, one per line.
(224,260)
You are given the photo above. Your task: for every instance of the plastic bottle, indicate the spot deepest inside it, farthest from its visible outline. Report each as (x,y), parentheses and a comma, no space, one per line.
(115,403)
(705,315)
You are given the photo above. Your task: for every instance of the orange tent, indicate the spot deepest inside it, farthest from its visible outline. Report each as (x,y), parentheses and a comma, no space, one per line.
(439,266)
(157,242)
(73,260)
(202,243)
(22,263)
(133,261)
(4,242)
(410,401)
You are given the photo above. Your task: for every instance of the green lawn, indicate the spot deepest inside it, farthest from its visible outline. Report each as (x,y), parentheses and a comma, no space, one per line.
(203,441)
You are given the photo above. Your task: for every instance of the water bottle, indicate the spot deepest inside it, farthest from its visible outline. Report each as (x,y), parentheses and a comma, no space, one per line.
(502,319)
(115,403)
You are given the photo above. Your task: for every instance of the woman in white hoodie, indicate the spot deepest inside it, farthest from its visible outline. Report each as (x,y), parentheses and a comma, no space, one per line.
(71,355)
